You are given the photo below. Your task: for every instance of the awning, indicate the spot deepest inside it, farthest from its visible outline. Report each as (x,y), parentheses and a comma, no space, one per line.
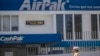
(83,43)
(29,38)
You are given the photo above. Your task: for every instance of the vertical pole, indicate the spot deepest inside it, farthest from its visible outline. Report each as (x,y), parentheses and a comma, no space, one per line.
(98,26)
(64,27)
(55,23)
(73,25)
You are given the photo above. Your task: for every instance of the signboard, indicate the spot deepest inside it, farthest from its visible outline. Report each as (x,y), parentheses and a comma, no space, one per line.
(34,22)
(11,39)
(49,5)
(29,38)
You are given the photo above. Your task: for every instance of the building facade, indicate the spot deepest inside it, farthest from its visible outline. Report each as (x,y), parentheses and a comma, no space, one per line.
(27,25)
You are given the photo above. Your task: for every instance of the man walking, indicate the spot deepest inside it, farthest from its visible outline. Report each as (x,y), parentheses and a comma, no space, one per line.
(76,51)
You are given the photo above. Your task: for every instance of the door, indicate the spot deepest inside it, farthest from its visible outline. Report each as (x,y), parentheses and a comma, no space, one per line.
(8,54)
(32,50)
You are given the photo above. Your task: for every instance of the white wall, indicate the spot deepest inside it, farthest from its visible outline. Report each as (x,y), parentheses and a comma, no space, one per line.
(36,29)
(47,28)
(50,22)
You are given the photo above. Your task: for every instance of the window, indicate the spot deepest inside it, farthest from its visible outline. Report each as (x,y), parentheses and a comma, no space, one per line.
(68,20)
(43,45)
(68,26)
(59,18)
(6,23)
(9,23)
(78,26)
(14,21)
(32,50)
(94,26)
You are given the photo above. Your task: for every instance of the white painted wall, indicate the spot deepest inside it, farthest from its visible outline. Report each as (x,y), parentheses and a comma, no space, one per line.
(36,29)
(47,28)
(50,21)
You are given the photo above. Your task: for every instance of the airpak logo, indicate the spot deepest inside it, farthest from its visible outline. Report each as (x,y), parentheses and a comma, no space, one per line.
(11,38)
(43,5)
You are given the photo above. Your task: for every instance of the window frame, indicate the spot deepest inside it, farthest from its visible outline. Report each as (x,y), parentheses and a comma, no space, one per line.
(2,17)
(17,22)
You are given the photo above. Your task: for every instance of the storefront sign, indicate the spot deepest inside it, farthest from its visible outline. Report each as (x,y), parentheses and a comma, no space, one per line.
(11,38)
(29,38)
(49,5)
(37,5)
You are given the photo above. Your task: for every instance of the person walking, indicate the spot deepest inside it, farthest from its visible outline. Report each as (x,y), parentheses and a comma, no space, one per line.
(76,50)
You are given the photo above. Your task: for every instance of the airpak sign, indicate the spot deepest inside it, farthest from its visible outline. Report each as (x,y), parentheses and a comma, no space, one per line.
(49,5)
(59,5)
